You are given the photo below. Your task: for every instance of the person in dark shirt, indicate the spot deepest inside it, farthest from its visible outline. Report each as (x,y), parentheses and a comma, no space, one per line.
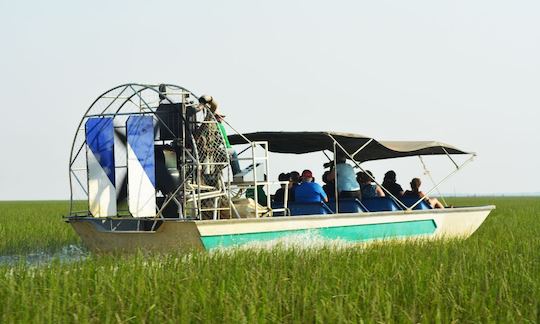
(295,177)
(295,181)
(329,186)
(279,196)
(389,183)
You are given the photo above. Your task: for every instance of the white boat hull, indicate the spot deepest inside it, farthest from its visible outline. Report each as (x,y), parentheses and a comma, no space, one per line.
(182,235)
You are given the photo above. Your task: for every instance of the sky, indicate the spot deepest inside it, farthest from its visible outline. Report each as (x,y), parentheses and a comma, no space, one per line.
(461,72)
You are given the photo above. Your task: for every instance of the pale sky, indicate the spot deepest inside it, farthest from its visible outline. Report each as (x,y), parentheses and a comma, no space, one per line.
(462,72)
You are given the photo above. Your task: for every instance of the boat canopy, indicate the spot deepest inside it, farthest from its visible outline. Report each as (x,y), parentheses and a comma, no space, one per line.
(363,148)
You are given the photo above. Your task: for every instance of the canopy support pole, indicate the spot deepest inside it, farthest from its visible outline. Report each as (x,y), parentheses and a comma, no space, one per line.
(363,147)
(446,152)
(459,167)
(428,173)
(329,159)
(358,165)
(336,193)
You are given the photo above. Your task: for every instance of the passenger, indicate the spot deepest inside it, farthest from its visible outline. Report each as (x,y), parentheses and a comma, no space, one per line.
(368,188)
(295,178)
(309,191)
(389,183)
(233,156)
(347,186)
(329,187)
(416,193)
(279,196)
(307,176)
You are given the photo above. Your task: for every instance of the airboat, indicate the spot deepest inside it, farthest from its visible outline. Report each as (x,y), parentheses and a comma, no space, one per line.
(150,170)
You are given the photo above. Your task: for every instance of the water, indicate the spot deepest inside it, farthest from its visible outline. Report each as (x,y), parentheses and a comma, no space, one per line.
(74,253)
(69,253)
(305,241)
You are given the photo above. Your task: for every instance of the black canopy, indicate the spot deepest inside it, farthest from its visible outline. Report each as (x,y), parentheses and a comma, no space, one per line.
(307,142)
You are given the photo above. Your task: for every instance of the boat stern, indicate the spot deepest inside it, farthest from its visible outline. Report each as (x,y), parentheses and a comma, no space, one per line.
(130,235)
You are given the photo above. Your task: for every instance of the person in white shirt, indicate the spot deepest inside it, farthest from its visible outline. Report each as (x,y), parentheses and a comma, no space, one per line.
(346,183)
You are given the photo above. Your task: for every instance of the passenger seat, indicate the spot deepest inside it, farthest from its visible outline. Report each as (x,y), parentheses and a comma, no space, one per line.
(298,209)
(379,204)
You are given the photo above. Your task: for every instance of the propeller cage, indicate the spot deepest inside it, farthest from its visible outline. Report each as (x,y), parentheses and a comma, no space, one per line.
(151,151)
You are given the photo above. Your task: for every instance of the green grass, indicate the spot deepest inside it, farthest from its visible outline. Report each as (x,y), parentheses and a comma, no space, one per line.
(34,226)
(494,276)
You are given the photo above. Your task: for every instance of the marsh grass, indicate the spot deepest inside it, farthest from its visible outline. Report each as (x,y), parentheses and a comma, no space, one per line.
(34,226)
(494,276)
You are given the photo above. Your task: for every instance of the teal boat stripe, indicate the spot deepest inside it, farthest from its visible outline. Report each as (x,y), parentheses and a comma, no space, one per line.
(351,233)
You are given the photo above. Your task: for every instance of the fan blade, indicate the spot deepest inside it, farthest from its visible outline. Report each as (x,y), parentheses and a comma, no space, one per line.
(122,192)
(121,136)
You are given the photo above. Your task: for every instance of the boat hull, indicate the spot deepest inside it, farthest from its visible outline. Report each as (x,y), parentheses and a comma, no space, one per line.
(129,234)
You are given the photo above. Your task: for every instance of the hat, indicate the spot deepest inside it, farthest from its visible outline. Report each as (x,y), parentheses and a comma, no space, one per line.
(307,174)
(209,100)
(284,177)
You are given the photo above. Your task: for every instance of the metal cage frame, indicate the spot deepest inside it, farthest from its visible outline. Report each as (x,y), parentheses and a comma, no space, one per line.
(134,98)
